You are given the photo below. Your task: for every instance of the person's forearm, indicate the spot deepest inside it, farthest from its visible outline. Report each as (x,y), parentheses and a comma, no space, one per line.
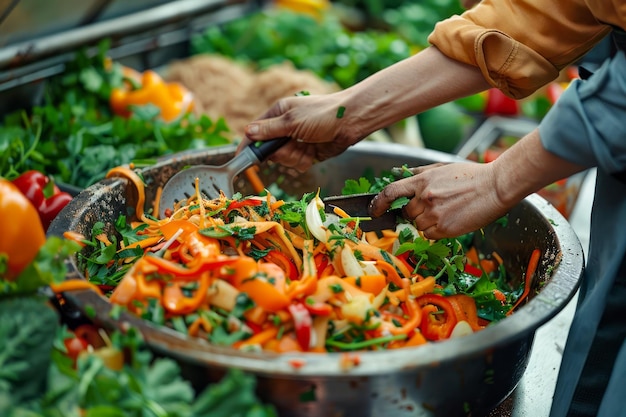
(409,87)
(527,167)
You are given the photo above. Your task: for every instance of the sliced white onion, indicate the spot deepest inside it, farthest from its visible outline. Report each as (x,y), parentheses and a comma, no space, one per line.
(331,218)
(356,310)
(351,265)
(222,294)
(239,219)
(314,220)
(369,267)
(462,328)
(380,298)
(169,242)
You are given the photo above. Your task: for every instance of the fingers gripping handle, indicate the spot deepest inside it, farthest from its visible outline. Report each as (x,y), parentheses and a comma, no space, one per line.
(262,150)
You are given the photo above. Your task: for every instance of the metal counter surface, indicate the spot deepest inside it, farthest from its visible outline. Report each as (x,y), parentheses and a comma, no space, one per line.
(533,395)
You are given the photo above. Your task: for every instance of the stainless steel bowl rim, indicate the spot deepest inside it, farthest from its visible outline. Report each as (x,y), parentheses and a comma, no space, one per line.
(523,323)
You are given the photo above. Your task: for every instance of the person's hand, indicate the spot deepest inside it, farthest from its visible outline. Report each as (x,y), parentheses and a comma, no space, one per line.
(316,125)
(446,200)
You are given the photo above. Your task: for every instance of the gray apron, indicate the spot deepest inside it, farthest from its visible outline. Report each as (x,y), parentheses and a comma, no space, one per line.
(592,377)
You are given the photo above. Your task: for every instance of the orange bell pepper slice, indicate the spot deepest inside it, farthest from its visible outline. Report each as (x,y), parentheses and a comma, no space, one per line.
(263,282)
(175,301)
(465,309)
(165,267)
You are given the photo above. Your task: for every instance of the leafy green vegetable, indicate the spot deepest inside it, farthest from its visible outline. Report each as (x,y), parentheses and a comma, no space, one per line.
(445,258)
(83,138)
(399,203)
(47,267)
(37,378)
(27,330)
(233,396)
(241,233)
(323,45)
(351,186)
(293,212)
(102,263)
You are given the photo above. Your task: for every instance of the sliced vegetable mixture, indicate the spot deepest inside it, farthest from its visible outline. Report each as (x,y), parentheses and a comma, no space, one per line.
(260,273)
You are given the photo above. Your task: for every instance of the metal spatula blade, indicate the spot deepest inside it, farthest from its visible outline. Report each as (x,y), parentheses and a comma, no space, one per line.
(214,179)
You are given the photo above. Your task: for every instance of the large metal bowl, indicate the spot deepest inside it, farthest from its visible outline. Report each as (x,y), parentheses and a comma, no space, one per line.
(459,377)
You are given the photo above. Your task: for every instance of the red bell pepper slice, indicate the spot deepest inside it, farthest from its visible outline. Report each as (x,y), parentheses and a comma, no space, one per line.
(321,262)
(472,270)
(318,308)
(404,258)
(284,262)
(247,202)
(438,316)
(303,324)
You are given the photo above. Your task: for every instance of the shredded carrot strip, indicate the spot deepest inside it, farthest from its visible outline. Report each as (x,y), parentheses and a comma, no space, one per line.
(530,273)
(390,233)
(74,285)
(255,181)
(319,248)
(385,243)
(371,237)
(202,223)
(391,272)
(497,257)
(144,243)
(260,338)
(340,212)
(102,237)
(157,199)
(415,317)
(199,323)
(132,176)
(372,252)
(75,237)
(277,204)
(416,340)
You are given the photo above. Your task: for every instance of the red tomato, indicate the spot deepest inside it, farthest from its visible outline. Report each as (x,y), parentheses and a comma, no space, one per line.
(500,104)
(74,346)
(89,333)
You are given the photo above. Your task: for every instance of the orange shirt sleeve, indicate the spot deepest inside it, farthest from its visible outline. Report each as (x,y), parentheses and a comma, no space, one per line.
(521,45)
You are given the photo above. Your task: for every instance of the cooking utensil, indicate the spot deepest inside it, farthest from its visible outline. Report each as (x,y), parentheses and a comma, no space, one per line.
(470,374)
(357,205)
(214,179)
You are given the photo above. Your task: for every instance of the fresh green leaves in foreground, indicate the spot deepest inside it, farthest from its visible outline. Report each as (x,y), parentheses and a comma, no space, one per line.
(37,380)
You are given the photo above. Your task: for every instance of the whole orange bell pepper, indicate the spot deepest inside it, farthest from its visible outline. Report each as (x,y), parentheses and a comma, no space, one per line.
(22,233)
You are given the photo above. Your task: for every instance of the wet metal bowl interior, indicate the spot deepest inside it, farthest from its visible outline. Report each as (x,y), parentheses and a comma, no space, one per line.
(459,377)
